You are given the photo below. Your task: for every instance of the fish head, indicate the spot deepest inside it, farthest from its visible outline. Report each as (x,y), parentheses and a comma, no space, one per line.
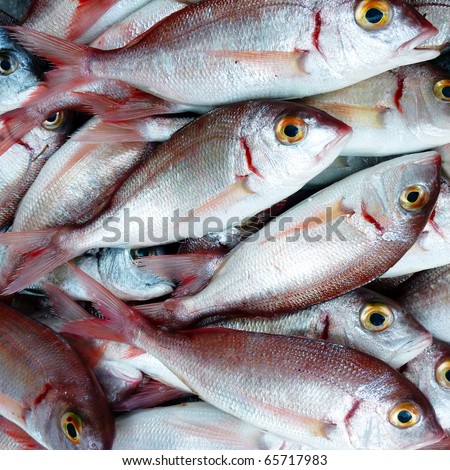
(430,371)
(380,327)
(400,196)
(287,143)
(376,34)
(424,101)
(72,418)
(389,412)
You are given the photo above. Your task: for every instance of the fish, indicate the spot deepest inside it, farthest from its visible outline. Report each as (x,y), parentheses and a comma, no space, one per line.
(60,410)
(431,249)
(123,32)
(445,152)
(191,426)
(361,319)
(430,371)
(437,12)
(14,438)
(21,164)
(298,259)
(115,270)
(279,383)
(297,48)
(427,297)
(405,110)
(238,151)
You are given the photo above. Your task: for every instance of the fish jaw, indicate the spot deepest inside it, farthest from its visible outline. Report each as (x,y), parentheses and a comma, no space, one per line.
(410,350)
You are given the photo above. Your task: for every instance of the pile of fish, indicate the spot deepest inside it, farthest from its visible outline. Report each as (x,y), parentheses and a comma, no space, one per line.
(225,225)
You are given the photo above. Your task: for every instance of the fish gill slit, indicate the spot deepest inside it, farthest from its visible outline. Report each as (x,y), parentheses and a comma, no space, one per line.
(316,32)
(370,218)
(399,93)
(351,413)
(248,158)
(326,327)
(42,395)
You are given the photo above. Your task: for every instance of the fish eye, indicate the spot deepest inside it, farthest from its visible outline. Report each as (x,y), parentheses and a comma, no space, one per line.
(290,130)
(443,373)
(376,316)
(404,415)
(441,90)
(142,252)
(8,63)
(55,121)
(72,426)
(414,198)
(373,14)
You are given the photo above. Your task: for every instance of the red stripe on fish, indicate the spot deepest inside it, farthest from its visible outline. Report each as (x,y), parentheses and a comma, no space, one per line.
(42,395)
(248,157)
(352,411)
(399,93)
(316,32)
(369,218)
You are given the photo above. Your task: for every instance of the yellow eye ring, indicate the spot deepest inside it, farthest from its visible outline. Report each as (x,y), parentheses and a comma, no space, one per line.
(404,415)
(8,63)
(290,130)
(373,14)
(414,198)
(441,90)
(55,121)
(376,316)
(72,426)
(442,373)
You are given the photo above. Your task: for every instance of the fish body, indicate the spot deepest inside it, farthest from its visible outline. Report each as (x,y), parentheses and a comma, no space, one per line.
(14,438)
(204,54)
(400,111)
(42,381)
(346,320)
(295,261)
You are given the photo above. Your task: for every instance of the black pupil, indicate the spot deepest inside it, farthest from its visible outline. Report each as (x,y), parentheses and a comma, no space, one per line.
(5,64)
(374,16)
(404,416)
(377,319)
(71,430)
(52,118)
(141,252)
(447,375)
(291,130)
(413,196)
(446,91)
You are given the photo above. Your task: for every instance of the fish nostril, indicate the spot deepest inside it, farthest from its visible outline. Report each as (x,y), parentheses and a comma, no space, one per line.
(93,446)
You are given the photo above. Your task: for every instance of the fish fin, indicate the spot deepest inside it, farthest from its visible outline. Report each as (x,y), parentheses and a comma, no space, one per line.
(273,62)
(15,124)
(132,352)
(232,194)
(171,314)
(98,104)
(193,270)
(367,116)
(69,57)
(13,410)
(46,254)
(149,394)
(120,322)
(109,132)
(16,433)
(86,15)
(90,352)
(139,105)
(63,305)
(155,312)
(123,371)
(337,210)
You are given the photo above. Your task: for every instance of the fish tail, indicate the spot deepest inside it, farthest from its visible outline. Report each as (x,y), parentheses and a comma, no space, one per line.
(38,253)
(70,58)
(172,314)
(109,132)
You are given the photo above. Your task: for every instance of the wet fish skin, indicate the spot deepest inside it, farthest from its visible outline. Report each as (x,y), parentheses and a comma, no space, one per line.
(114,269)
(431,249)
(14,438)
(20,165)
(268,373)
(293,53)
(191,426)
(427,296)
(422,372)
(279,270)
(34,374)
(339,321)
(393,113)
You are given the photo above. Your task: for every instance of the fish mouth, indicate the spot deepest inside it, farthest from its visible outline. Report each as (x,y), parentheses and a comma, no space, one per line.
(411,349)
(432,440)
(335,147)
(414,43)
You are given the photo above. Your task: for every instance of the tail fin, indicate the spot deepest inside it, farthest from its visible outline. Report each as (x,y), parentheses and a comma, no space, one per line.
(38,253)
(70,58)
(109,132)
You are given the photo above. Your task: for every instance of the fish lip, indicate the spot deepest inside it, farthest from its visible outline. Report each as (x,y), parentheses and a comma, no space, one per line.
(411,349)
(431,441)
(414,43)
(344,135)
